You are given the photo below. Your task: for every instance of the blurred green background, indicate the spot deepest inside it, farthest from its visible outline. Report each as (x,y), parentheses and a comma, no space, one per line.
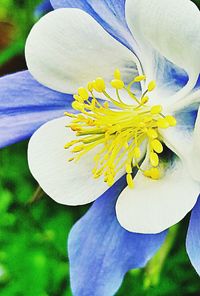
(33,259)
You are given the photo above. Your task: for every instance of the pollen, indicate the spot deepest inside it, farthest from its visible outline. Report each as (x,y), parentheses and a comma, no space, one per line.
(118,131)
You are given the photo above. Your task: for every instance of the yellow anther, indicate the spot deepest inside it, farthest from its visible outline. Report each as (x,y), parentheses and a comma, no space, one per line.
(147,173)
(68,145)
(90,86)
(144,100)
(117,74)
(128,168)
(154,159)
(71,159)
(83,93)
(96,176)
(77,106)
(117,83)
(140,78)
(151,85)
(110,180)
(162,123)
(155,173)
(70,114)
(75,127)
(152,133)
(99,84)
(171,120)
(130,181)
(136,152)
(157,146)
(156,109)
(78,148)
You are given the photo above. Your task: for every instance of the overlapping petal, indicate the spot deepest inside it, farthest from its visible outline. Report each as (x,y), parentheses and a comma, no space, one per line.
(155,205)
(160,30)
(63,53)
(25,105)
(69,183)
(193,237)
(110,14)
(101,251)
(184,139)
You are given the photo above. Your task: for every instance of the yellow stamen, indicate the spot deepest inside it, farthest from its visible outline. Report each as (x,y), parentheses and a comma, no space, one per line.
(90,86)
(156,109)
(155,173)
(157,146)
(83,93)
(99,84)
(171,120)
(163,123)
(117,83)
(151,85)
(139,78)
(154,159)
(136,152)
(129,181)
(144,100)
(152,133)
(117,74)
(119,132)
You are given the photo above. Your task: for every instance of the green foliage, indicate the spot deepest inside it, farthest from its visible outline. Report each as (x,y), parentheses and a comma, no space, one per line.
(20,15)
(33,257)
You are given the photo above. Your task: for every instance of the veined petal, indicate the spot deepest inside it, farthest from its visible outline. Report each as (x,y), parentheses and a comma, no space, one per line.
(194,163)
(69,183)
(184,140)
(25,105)
(154,205)
(101,251)
(67,48)
(110,14)
(193,237)
(169,28)
(186,102)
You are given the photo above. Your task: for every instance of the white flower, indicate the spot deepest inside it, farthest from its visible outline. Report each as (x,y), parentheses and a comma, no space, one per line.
(66,49)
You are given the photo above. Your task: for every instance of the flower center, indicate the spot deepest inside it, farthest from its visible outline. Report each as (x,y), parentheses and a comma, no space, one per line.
(121,131)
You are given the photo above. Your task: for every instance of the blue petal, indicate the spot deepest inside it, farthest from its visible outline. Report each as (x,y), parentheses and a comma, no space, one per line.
(43,8)
(108,13)
(193,237)
(101,251)
(25,105)
(186,118)
(197,86)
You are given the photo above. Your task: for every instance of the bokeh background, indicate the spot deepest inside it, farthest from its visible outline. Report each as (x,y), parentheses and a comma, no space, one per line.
(33,233)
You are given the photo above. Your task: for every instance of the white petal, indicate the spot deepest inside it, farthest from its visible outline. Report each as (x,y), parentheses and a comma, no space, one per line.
(67,48)
(189,100)
(66,182)
(169,28)
(154,205)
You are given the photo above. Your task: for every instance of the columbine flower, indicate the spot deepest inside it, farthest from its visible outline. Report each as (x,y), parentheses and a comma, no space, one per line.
(152,138)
